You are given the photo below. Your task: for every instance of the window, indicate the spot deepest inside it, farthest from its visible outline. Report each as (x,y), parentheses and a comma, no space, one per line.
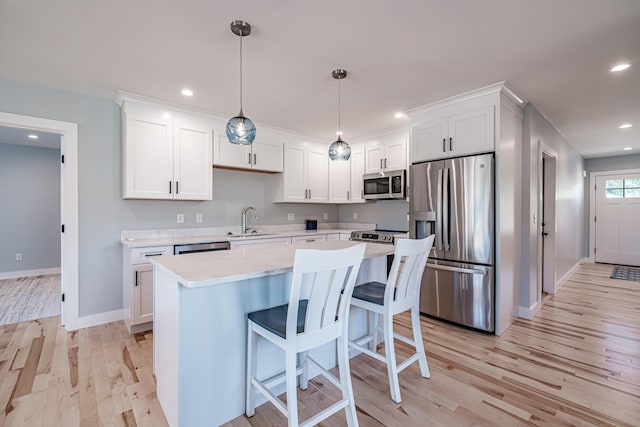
(619,188)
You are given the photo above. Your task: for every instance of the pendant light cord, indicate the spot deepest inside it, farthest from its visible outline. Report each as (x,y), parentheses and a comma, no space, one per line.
(339,127)
(241,35)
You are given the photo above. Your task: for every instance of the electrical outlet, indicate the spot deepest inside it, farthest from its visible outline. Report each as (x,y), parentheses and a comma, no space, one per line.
(199,217)
(180,218)
(18,256)
(325,216)
(291,217)
(355,215)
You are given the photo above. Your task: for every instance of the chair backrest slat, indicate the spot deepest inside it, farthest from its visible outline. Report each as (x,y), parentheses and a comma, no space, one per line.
(323,275)
(407,269)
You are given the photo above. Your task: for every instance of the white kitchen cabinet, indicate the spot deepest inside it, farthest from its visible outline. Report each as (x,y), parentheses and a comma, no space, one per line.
(255,243)
(137,289)
(166,154)
(388,152)
(466,129)
(345,236)
(332,236)
(357,171)
(264,154)
(309,238)
(305,178)
(340,181)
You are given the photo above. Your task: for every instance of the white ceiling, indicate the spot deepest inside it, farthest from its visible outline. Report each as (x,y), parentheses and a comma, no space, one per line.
(400,54)
(20,136)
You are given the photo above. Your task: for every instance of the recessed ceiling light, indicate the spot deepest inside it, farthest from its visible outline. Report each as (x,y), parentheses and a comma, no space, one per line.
(399,115)
(187,92)
(620,67)
(625,126)
(32,136)
(627,148)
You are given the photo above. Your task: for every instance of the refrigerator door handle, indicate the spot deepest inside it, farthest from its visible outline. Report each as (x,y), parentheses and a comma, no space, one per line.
(457,269)
(438,229)
(445,210)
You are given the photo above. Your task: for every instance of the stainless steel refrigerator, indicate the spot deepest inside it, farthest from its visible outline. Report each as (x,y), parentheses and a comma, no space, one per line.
(454,199)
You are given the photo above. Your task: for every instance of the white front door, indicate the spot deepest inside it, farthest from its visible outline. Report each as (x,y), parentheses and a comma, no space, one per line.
(617,219)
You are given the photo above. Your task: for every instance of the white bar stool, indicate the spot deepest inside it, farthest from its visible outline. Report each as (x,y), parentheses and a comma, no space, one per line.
(308,321)
(399,294)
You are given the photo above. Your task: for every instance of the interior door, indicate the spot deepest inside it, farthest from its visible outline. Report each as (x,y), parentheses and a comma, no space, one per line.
(616,219)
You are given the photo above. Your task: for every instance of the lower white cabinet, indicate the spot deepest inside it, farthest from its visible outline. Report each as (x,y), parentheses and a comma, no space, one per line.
(255,243)
(309,238)
(333,236)
(137,289)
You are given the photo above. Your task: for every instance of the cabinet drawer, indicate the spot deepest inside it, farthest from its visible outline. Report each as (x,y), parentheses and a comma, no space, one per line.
(313,238)
(142,255)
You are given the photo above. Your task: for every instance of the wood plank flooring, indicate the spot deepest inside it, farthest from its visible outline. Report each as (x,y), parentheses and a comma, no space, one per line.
(29,298)
(576,363)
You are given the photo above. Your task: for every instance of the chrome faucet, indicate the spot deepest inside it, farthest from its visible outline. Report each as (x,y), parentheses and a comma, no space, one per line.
(246,210)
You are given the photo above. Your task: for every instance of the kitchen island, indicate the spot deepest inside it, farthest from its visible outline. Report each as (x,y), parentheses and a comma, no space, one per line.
(201,305)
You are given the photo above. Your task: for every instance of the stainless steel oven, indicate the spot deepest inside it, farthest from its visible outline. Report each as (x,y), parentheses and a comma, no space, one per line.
(385,185)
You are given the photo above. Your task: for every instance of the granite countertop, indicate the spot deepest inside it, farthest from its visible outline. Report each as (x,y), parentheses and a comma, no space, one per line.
(175,240)
(212,268)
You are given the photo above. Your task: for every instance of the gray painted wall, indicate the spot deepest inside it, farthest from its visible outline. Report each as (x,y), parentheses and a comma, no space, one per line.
(30,216)
(102,211)
(386,214)
(570,204)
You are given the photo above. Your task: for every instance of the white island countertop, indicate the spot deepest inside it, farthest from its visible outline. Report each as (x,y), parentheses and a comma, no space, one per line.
(212,268)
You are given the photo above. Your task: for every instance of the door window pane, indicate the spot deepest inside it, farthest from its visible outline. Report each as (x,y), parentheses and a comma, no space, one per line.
(614,183)
(632,183)
(631,192)
(612,194)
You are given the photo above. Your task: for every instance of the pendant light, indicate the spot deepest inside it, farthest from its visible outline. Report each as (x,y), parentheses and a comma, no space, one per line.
(240,129)
(339,150)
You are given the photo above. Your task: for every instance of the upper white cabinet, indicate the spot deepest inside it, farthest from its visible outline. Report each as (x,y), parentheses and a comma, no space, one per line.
(166,154)
(265,154)
(455,129)
(306,174)
(357,171)
(340,181)
(388,152)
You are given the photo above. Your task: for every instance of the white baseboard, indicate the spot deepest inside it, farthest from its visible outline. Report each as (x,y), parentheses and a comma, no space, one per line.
(529,312)
(568,274)
(29,273)
(96,320)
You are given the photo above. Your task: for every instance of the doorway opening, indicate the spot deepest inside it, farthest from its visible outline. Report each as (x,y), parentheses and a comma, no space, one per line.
(547,224)
(68,134)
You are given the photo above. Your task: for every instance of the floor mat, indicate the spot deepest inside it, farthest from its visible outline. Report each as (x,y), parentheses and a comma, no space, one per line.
(626,273)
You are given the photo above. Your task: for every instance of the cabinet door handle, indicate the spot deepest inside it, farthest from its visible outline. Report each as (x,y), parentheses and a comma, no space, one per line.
(309,194)
(169,187)
(249,161)
(444,141)
(156,254)
(385,163)
(450,144)
(348,198)
(136,283)
(255,159)
(177,191)
(380,163)
(305,194)
(362,194)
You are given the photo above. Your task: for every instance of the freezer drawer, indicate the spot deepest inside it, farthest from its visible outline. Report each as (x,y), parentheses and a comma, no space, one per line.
(460,293)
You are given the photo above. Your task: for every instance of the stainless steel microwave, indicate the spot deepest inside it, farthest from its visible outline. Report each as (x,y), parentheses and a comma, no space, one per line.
(385,185)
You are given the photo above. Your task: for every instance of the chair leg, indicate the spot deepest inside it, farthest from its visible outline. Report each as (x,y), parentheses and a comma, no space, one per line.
(372,325)
(390,353)
(304,363)
(345,381)
(292,384)
(417,338)
(252,360)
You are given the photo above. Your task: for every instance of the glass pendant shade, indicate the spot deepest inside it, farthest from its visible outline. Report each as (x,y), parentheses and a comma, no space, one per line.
(241,130)
(339,150)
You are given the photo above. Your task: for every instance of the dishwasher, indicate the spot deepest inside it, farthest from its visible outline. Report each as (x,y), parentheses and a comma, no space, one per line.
(193,248)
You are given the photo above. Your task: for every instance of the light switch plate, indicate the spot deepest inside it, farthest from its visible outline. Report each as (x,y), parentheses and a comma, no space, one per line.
(291,217)
(325,216)
(199,217)
(180,218)
(355,215)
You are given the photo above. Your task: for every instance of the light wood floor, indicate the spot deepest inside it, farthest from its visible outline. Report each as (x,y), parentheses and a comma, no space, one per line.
(29,298)
(576,363)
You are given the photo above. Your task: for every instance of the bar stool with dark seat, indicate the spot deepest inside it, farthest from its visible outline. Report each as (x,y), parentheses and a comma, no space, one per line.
(399,294)
(317,313)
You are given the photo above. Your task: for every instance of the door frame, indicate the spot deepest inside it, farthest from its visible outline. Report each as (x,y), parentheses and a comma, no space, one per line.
(550,246)
(592,204)
(68,205)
